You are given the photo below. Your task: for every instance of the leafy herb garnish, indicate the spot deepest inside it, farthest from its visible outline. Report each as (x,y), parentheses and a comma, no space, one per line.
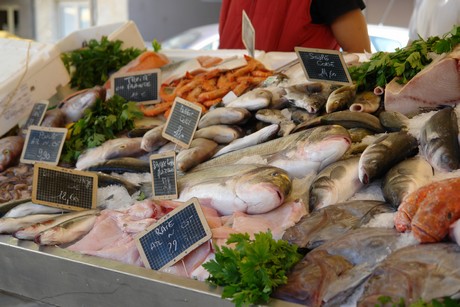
(91,65)
(444,302)
(251,270)
(404,63)
(100,123)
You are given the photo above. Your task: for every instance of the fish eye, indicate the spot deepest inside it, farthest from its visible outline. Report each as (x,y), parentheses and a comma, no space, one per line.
(6,151)
(275,174)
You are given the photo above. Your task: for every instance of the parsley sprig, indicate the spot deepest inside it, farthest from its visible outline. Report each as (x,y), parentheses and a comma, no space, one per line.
(100,123)
(404,63)
(251,270)
(443,302)
(91,65)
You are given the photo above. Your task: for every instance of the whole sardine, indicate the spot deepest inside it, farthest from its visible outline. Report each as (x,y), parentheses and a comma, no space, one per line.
(75,105)
(439,141)
(384,153)
(248,188)
(10,151)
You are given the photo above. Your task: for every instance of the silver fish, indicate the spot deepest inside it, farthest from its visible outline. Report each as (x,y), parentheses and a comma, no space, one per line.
(67,231)
(404,178)
(153,139)
(253,100)
(384,153)
(335,183)
(365,102)
(439,141)
(54,118)
(111,149)
(249,188)
(300,115)
(10,151)
(75,105)
(252,139)
(224,115)
(10,225)
(221,134)
(121,165)
(311,96)
(29,208)
(394,121)
(200,150)
(340,98)
(273,116)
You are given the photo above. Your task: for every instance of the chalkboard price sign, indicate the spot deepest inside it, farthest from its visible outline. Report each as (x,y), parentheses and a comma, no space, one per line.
(324,65)
(36,115)
(64,188)
(182,122)
(248,34)
(141,86)
(164,176)
(43,144)
(173,236)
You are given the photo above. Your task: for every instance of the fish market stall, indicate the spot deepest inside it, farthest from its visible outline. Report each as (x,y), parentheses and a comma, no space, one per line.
(259,179)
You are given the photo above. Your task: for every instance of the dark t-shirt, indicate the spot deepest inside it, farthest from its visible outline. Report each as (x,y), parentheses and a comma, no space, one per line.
(326,11)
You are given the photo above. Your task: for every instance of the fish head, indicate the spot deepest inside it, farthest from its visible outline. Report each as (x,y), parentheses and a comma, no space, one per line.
(326,144)
(263,188)
(10,149)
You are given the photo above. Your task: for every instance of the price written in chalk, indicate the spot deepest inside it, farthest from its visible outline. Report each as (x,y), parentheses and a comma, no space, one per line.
(173,236)
(324,65)
(141,86)
(182,122)
(43,144)
(164,176)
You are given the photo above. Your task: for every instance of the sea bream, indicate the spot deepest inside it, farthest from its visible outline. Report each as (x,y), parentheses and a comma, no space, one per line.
(249,188)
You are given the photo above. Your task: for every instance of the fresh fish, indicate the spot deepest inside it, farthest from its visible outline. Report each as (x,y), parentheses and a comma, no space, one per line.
(30,232)
(340,98)
(121,165)
(75,105)
(111,149)
(104,180)
(200,150)
(221,134)
(277,102)
(419,272)
(388,150)
(10,151)
(346,119)
(10,225)
(138,132)
(273,116)
(365,102)
(256,99)
(439,141)
(404,178)
(54,118)
(310,96)
(258,137)
(29,208)
(8,205)
(224,115)
(358,134)
(248,188)
(299,154)
(327,223)
(394,121)
(67,231)
(336,183)
(153,139)
(300,115)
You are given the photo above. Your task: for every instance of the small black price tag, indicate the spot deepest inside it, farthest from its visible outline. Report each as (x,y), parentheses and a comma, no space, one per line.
(173,236)
(324,65)
(164,175)
(182,122)
(43,144)
(36,115)
(64,188)
(141,86)
(248,34)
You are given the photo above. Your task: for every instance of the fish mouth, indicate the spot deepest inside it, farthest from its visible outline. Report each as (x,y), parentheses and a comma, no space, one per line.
(37,239)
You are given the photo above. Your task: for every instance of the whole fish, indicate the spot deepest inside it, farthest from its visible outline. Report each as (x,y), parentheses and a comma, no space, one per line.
(54,118)
(299,116)
(200,150)
(75,105)
(121,165)
(340,98)
(384,153)
(365,102)
(248,188)
(394,121)
(335,183)
(327,223)
(273,116)
(421,272)
(299,154)
(10,225)
(29,208)
(224,115)
(253,100)
(258,137)
(439,141)
(153,139)
(221,134)
(111,149)
(310,96)
(67,231)
(404,178)
(30,232)
(10,151)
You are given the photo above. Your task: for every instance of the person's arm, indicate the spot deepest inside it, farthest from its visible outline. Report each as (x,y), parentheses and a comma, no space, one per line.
(350,31)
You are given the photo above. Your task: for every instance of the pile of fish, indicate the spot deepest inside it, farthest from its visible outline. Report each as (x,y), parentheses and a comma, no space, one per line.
(368,193)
